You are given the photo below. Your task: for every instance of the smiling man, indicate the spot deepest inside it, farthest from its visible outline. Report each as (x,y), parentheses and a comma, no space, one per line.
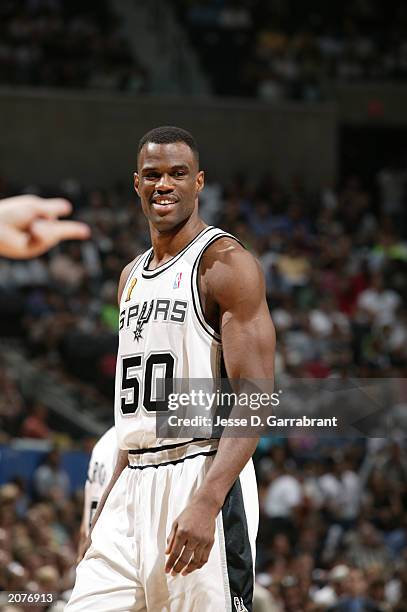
(176,527)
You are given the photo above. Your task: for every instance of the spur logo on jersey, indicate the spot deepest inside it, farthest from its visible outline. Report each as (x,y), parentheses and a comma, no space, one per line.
(239,605)
(177,280)
(138,315)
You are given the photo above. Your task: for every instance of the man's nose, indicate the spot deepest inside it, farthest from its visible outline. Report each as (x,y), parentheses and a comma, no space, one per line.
(165,183)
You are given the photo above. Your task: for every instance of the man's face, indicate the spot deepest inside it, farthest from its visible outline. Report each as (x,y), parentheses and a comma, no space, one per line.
(168,181)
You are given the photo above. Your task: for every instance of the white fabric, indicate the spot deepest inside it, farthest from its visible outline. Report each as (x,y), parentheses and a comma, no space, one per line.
(178,332)
(381,305)
(349,502)
(100,470)
(325,596)
(123,569)
(331,488)
(322,323)
(283,495)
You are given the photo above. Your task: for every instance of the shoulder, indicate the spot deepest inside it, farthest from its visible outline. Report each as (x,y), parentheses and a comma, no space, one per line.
(228,268)
(108,438)
(105,444)
(125,275)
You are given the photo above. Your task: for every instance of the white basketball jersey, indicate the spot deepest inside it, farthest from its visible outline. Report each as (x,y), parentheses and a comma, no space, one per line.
(100,470)
(162,334)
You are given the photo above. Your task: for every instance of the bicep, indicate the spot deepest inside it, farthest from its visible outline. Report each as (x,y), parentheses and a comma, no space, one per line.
(247,331)
(248,344)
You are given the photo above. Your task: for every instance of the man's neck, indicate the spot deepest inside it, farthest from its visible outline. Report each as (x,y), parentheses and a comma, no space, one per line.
(166,245)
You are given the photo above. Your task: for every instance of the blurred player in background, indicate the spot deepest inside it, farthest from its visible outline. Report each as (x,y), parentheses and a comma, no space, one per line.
(100,471)
(174,529)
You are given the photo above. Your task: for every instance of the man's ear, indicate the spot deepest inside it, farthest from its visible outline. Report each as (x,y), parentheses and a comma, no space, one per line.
(136,183)
(200,181)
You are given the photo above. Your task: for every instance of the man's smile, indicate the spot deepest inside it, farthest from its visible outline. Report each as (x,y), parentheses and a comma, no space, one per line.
(163,204)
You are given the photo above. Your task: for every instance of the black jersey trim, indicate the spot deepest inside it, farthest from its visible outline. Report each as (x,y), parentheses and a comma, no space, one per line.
(153,273)
(195,287)
(156,449)
(144,467)
(134,268)
(239,559)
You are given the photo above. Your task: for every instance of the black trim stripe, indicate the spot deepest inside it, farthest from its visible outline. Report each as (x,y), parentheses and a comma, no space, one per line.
(195,286)
(153,273)
(238,550)
(144,467)
(156,449)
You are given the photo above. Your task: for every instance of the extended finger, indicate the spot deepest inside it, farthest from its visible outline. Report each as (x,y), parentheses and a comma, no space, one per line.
(183,559)
(52,208)
(176,550)
(197,560)
(51,232)
(170,539)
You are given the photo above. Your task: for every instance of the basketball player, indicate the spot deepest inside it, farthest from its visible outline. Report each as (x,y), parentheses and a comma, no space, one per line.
(173,530)
(100,470)
(29,226)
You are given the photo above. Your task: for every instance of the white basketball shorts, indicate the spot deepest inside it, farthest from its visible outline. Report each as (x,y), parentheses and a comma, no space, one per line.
(123,570)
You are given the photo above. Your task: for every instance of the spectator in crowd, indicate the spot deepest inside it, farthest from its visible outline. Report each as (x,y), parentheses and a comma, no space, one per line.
(355,597)
(377,303)
(366,548)
(50,480)
(35,425)
(329,595)
(11,400)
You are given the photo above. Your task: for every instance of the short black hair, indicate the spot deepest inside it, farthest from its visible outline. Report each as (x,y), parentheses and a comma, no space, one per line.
(167,134)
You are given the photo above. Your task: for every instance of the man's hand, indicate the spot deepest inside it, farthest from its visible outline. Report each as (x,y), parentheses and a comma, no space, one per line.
(29,226)
(191,538)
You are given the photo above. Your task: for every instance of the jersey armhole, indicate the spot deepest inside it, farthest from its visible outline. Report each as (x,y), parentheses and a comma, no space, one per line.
(196,297)
(133,269)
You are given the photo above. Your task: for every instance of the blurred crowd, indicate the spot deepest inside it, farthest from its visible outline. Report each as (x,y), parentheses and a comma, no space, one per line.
(270,50)
(333,512)
(66,43)
(332,535)
(332,526)
(290,49)
(39,529)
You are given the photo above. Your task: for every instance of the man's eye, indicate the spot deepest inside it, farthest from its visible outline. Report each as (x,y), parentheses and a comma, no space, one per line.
(179,173)
(151,176)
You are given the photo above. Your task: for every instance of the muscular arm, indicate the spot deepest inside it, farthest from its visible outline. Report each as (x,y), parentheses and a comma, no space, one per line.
(232,285)
(235,282)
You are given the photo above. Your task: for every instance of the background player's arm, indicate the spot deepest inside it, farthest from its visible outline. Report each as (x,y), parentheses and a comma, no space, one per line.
(122,456)
(83,531)
(232,280)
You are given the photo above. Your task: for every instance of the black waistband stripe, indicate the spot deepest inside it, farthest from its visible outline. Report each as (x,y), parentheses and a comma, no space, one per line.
(152,465)
(157,449)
